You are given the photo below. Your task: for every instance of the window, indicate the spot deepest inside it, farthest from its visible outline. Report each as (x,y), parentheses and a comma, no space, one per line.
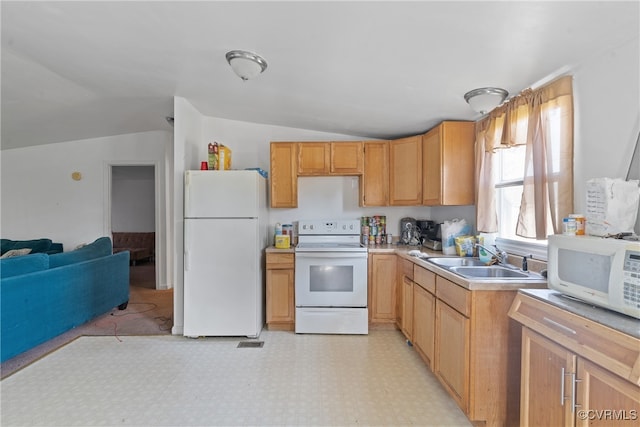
(524,168)
(509,183)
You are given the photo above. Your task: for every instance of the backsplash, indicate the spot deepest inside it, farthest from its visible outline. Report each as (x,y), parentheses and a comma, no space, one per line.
(535,265)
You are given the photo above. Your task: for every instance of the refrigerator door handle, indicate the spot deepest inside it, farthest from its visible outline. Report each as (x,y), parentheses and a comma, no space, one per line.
(187,260)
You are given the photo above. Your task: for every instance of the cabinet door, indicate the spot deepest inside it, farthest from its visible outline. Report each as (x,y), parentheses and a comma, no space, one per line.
(313,158)
(280,296)
(382,275)
(448,164)
(407,308)
(546,386)
(374,183)
(405,172)
(424,316)
(431,168)
(405,269)
(284,181)
(458,163)
(451,364)
(346,158)
(604,398)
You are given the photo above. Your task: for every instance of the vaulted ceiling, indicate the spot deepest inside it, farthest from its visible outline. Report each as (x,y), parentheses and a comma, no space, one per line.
(76,70)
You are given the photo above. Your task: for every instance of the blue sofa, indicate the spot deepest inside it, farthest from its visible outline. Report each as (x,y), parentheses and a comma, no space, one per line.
(37,246)
(42,295)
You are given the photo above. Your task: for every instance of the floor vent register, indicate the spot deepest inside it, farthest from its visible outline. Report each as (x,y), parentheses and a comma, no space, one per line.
(250,344)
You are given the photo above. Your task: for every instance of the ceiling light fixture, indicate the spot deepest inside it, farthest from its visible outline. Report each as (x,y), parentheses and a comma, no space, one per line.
(485,99)
(245,64)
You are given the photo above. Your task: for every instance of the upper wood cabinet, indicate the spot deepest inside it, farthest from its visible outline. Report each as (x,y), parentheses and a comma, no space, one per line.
(405,171)
(284,179)
(374,182)
(448,164)
(313,158)
(346,158)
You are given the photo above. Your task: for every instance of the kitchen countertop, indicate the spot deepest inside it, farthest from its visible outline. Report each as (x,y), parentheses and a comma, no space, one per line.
(611,319)
(488,284)
(273,249)
(492,284)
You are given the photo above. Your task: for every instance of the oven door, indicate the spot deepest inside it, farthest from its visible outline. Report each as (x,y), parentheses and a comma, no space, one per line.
(331,279)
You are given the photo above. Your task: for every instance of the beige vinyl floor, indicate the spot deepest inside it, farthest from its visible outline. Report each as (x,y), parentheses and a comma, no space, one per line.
(297,380)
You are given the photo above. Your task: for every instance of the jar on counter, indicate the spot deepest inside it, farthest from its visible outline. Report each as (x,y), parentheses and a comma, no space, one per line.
(569,226)
(580,221)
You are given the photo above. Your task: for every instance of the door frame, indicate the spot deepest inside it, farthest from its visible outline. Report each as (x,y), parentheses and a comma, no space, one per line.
(160,256)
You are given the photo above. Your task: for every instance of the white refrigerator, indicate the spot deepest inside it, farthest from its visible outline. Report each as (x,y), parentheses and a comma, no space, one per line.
(225,234)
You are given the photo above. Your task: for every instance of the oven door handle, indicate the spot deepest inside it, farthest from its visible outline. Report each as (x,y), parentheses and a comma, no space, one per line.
(333,255)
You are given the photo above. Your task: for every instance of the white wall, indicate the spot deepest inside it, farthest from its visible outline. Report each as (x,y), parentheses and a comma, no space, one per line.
(318,197)
(133,199)
(40,199)
(321,197)
(607,111)
(187,133)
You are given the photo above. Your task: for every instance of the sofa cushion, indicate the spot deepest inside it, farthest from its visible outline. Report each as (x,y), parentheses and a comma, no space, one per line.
(36,245)
(55,248)
(99,248)
(16,266)
(15,252)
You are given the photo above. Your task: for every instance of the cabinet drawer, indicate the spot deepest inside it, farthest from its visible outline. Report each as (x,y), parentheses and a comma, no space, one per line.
(611,349)
(425,278)
(456,296)
(406,268)
(279,261)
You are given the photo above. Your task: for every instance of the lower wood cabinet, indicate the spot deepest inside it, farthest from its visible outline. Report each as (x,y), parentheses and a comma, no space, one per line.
(404,302)
(280,291)
(605,398)
(575,372)
(407,307)
(451,364)
(382,288)
(424,313)
(469,342)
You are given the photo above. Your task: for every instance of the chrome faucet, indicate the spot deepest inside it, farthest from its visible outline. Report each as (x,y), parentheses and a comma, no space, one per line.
(501,256)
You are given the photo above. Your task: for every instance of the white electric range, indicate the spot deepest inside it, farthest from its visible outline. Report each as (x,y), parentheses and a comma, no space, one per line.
(331,278)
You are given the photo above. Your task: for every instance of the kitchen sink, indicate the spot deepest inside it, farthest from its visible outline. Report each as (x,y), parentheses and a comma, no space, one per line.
(492,271)
(447,262)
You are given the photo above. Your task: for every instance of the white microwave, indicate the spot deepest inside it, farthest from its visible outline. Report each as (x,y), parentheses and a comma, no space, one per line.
(600,271)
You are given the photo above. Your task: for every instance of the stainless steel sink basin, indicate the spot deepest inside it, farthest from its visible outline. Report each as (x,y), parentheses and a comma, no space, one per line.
(455,261)
(493,271)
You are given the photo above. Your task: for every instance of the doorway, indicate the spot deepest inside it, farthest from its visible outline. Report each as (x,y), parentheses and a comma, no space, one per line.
(133,213)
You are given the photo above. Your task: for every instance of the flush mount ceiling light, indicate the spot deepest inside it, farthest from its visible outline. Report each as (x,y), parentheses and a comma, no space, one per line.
(245,64)
(485,99)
